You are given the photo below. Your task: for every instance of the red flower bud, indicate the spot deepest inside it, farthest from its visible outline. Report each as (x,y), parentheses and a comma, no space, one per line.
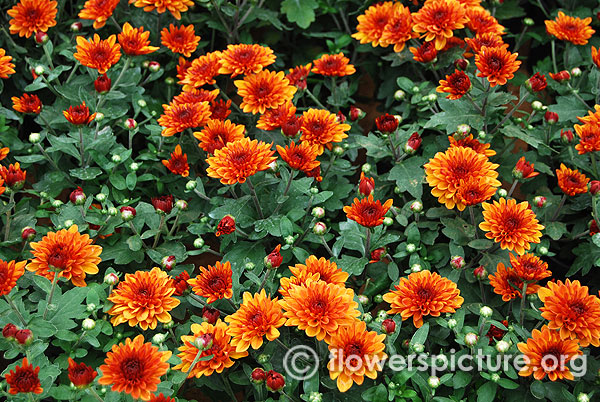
(366,185)
(536,83)
(274,259)
(340,117)
(480,273)
(413,143)
(593,227)
(28,233)
(524,170)
(127,213)
(461,64)
(291,127)
(226,225)
(102,84)
(80,374)
(377,254)
(168,262)
(9,331)
(130,124)
(258,375)
(210,315)
(41,37)
(386,123)
(154,66)
(275,381)
(24,336)
(204,341)
(566,136)
(540,201)
(163,204)
(388,326)
(180,283)
(76,26)
(316,173)
(594,187)
(561,76)
(551,117)
(356,113)
(77,196)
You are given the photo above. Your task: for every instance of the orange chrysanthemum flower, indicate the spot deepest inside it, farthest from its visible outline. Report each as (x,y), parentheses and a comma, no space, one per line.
(456,85)
(328,271)
(571,182)
(496,64)
(98,11)
(333,65)
(180,39)
(178,117)
(6,67)
(421,294)
(195,96)
(298,75)
(300,157)
(10,272)
(67,253)
(134,41)
(202,71)
(218,133)
(572,29)
(161,398)
(437,20)
(79,115)
(589,138)
(572,311)
(321,127)
(32,16)
(480,21)
(529,267)
(596,56)
(134,367)
(13,176)
(175,7)
(213,283)
(475,190)
(24,379)
(275,118)
(319,308)
(372,23)
(367,212)
(245,59)
(480,40)
(98,54)
(592,117)
(182,67)
(143,299)
(355,353)
(178,163)
(398,29)
(221,352)
(27,104)
(300,279)
(473,143)
(447,170)
(547,354)
(264,90)
(508,284)
(257,316)
(219,110)
(424,53)
(4,152)
(512,225)
(238,160)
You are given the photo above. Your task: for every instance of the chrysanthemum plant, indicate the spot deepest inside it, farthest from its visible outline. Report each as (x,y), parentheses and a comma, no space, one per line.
(284,201)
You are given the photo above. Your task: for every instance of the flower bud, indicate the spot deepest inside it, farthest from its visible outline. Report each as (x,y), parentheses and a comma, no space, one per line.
(314,190)
(378,298)
(382,314)
(258,376)
(57,203)
(416,206)
(116,158)
(536,83)
(112,211)
(399,95)
(537,106)
(411,248)
(502,192)
(315,397)
(415,89)
(594,187)
(386,123)
(461,64)
(274,260)
(502,346)
(159,339)
(540,201)
(111,279)
(320,229)
(566,136)
(356,113)
(190,185)
(24,337)
(199,242)
(452,323)
(543,250)
(471,339)
(480,273)
(77,196)
(575,71)
(9,331)
(28,233)
(127,213)
(134,166)
(433,382)
(387,221)
(170,81)
(363,299)
(99,117)
(581,397)
(366,168)
(318,212)
(154,66)
(88,324)
(366,185)
(528,22)
(39,70)
(561,76)
(388,326)
(91,307)
(249,266)
(76,26)
(551,117)
(168,262)
(68,223)
(486,312)
(102,84)
(275,381)
(204,341)
(35,138)
(495,377)
(169,325)
(142,103)
(367,317)
(130,124)
(182,205)
(416,268)
(457,262)
(413,144)
(418,347)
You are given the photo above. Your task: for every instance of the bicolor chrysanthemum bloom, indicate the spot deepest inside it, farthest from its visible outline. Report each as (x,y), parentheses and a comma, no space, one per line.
(32,16)
(178,163)
(181,39)
(134,41)
(571,29)
(367,212)
(214,282)
(218,133)
(245,59)
(264,90)
(98,11)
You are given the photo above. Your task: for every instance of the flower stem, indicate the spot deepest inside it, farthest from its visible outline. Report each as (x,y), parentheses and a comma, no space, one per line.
(473,220)
(368,243)
(512,188)
(50,295)
(560,205)
(174,225)
(326,246)
(117,81)
(509,114)
(287,188)
(314,99)
(8,215)
(264,281)
(228,388)
(93,393)
(523,297)
(16,310)
(196,358)
(553,46)
(81,146)
(160,228)
(255,198)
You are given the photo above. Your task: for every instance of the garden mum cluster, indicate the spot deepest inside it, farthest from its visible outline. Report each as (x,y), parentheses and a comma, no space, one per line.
(193,190)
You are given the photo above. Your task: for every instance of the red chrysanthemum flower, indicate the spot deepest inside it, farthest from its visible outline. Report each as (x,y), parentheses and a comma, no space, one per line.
(202,71)
(161,398)
(437,20)
(218,133)
(98,11)
(195,96)
(175,7)
(27,104)
(6,67)
(213,283)
(589,138)
(387,123)
(366,185)
(496,64)
(470,142)
(219,109)
(163,204)
(98,54)
(240,159)
(134,41)
(456,85)
(178,163)
(300,157)
(180,39)
(275,118)
(333,65)
(596,56)
(264,90)
(134,367)
(10,272)
(79,115)
(178,117)
(512,225)
(226,225)
(561,76)
(425,53)
(536,82)
(529,267)
(321,127)
(180,283)
(182,67)
(372,23)
(367,212)
(480,21)
(24,379)
(489,39)
(508,284)
(571,29)
(524,169)
(398,29)
(80,374)
(298,75)
(571,182)
(474,190)
(32,16)
(245,59)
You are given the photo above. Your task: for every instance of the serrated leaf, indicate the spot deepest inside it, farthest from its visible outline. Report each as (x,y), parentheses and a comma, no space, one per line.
(408,176)
(302,12)
(85,174)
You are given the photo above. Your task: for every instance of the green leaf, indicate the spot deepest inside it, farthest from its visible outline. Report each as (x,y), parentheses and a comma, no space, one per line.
(135,243)
(568,108)
(537,389)
(85,174)
(376,394)
(420,336)
(118,181)
(352,265)
(555,229)
(409,176)
(302,12)
(480,244)
(455,112)
(486,392)
(520,133)
(131,180)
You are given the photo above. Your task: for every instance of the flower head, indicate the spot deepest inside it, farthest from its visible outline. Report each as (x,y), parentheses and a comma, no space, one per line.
(245,59)
(320,127)
(202,71)
(437,20)
(6,67)
(24,379)
(276,117)
(474,190)
(79,115)
(421,294)
(300,157)
(134,367)
(366,185)
(508,284)
(65,253)
(372,24)
(218,133)
(264,90)
(80,374)
(333,65)
(32,16)
(257,316)
(529,267)
(398,29)
(456,85)
(98,11)
(596,57)
(496,64)
(489,39)
(386,123)
(480,21)
(102,84)
(589,138)
(143,299)
(238,160)
(547,354)
(163,204)
(319,308)
(524,169)
(219,109)
(226,226)
(181,39)
(316,269)
(175,7)
(98,54)
(424,53)
(537,82)
(161,398)
(298,75)
(27,104)
(178,163)
(571,29)
(561,76)
(367,212)
(195,95)
(353,351)
(134,41)
(213,283)
(10,272)
(178,117)
(512,225)
(222,352)
(572,311)
(571,182)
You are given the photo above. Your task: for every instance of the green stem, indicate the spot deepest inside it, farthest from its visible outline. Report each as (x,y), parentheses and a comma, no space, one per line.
(196,358)
(117,81)
(314,99)
(160,228)
(368,243)
(95,395)
(81,146)
(47,124)
(50,87)
(509,114)
(51,294)
(255,198)
(473,220)
(560,205)
(48,56)
(72,74)
(174,225)
(264,281)
(523,297)
(228,388)
(287,188)
(326,246)
(16,310)
(512,188)
(553,46)
(11,200)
